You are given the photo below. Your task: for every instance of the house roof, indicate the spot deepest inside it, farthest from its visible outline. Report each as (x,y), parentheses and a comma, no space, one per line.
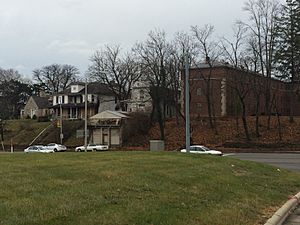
(41,102)
(93,88)
(214,65)
(110,115)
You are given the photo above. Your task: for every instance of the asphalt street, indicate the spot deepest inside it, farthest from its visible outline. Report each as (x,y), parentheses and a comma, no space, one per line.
(281,160)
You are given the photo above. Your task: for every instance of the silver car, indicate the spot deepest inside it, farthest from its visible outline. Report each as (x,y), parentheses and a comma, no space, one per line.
(200,149)
(37,149)
(56,147)
(92,147)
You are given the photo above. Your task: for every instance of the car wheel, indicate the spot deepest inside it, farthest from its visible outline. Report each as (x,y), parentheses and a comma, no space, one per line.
(94,149)
(55,150)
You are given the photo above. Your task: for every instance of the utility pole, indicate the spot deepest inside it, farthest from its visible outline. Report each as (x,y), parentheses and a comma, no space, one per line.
(2,134)
(187,105)
(85,115)
(61,125)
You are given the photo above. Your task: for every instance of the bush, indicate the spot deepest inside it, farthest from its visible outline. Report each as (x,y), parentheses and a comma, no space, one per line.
(43,119)
(138,124)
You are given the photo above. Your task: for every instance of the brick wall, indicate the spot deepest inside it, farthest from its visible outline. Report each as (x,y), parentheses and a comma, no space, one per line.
(227,83)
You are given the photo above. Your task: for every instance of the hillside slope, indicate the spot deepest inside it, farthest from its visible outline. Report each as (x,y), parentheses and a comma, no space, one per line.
(21,133)
(228,134)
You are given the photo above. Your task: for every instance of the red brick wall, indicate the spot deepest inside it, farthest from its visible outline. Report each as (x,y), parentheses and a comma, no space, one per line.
(235,80)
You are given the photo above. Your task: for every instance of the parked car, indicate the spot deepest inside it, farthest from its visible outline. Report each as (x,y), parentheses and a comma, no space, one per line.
(38,149)
(200,149)
(56,147)
(92,147)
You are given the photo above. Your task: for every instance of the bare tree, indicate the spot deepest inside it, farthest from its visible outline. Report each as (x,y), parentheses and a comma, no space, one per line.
(263,14)
(155,56)
(55,77)
(14,91)
(183,46)
(9,74)
(234,54)
(209,50)
(118,71)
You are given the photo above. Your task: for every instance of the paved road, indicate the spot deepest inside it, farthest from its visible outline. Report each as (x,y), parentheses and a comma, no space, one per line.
(294,218)
(287,161)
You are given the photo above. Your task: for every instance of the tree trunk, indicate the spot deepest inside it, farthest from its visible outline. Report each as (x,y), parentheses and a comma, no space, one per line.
(257,117)
(160,122)
(268,103)
(291,118)
(279,124)
(244,119)
(209,108)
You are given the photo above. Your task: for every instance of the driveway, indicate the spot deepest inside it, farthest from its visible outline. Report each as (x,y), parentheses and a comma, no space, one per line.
(282,160)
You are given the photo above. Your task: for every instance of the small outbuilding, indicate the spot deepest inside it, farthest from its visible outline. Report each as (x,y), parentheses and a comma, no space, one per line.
(107,128)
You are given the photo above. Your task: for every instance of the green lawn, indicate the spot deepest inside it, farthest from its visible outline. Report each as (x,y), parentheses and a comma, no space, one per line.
(138,188)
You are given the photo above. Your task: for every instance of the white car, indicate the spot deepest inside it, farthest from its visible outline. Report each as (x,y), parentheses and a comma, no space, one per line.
(56,147)
(37,149)
(92,147)
(200,149)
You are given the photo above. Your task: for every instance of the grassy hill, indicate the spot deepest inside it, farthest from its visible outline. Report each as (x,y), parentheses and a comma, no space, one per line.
(22,132)
(141,188)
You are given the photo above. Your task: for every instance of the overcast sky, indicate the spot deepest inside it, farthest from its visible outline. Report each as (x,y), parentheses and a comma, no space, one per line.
(35,33)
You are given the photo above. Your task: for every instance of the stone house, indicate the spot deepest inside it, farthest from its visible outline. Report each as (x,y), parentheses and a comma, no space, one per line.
(36,106)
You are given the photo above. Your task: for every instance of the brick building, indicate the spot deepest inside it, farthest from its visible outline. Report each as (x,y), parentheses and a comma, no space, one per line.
(227,83)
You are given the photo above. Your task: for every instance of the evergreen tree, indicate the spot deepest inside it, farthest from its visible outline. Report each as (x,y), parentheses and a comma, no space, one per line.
(288,47)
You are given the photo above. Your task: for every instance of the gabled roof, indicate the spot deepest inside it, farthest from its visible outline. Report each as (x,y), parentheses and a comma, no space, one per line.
(41,102)
(93,88)
(110,115)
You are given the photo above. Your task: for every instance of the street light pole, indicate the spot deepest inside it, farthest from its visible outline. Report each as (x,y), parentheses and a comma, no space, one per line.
(2,134)
(187,105)
(61,125)
(85,115)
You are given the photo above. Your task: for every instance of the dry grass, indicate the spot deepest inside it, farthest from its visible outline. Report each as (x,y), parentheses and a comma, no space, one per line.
(141,188)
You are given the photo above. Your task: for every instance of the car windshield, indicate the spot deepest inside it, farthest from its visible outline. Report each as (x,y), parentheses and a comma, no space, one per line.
(205,148)
(51,144)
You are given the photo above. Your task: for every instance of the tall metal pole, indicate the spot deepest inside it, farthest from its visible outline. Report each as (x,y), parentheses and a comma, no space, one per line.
(2,134)
(187,105)
(61,124)
(85,115)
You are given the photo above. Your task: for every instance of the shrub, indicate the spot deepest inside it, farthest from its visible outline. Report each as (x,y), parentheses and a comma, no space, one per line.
(43,119)
(138,124)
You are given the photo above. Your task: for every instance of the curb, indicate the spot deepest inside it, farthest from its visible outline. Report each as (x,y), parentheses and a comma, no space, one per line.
(281,214)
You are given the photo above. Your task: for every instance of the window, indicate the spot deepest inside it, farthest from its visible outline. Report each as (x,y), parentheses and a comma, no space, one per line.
(142,94)
(199,91)
(61,99)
